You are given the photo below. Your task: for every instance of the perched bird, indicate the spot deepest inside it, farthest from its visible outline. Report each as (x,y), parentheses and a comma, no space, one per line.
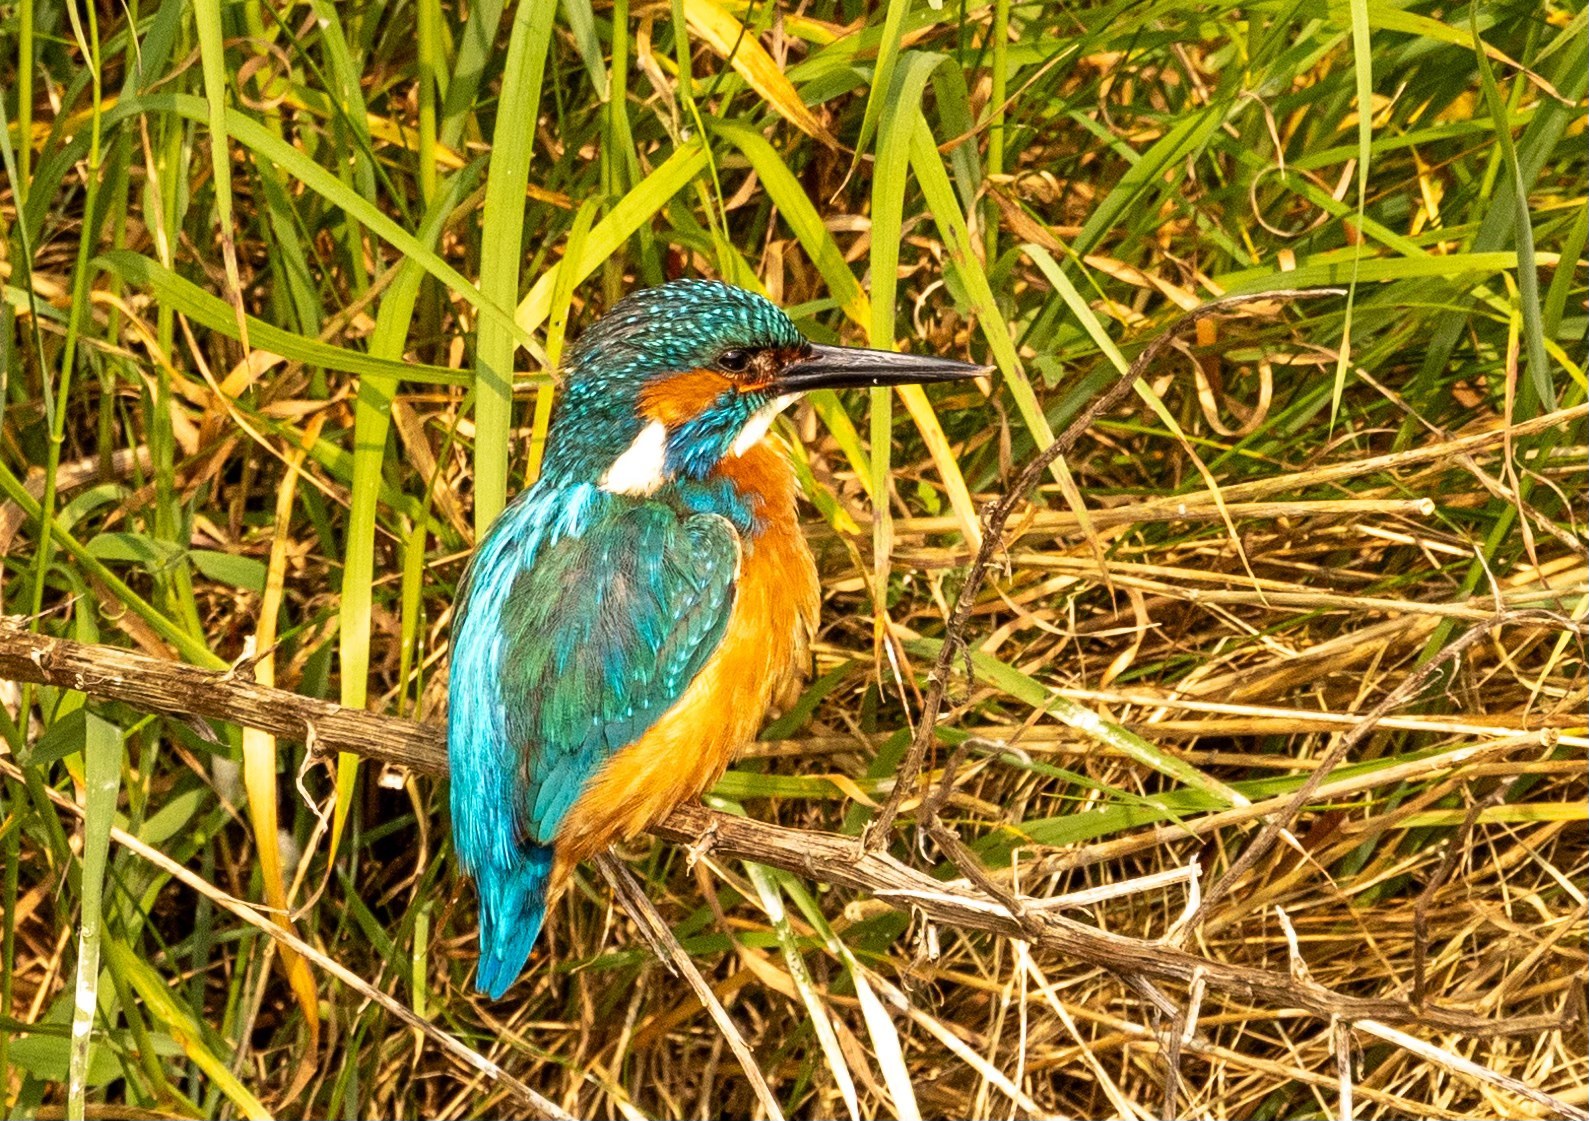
(626,622)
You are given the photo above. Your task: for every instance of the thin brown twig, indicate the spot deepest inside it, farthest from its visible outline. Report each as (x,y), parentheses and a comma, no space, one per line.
(659,936)
(948,840)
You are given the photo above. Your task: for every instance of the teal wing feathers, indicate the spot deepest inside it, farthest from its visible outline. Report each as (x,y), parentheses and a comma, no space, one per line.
(601,635)
(582,618)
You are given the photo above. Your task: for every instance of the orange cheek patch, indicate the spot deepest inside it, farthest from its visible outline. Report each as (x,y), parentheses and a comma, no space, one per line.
(680,398)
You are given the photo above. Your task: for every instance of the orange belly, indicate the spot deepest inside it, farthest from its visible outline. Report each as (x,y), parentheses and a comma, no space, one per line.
(762,654)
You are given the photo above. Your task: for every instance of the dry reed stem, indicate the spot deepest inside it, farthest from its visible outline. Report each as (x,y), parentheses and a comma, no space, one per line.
(659,936)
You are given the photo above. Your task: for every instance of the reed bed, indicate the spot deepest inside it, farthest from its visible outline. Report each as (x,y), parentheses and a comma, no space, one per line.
(285,289)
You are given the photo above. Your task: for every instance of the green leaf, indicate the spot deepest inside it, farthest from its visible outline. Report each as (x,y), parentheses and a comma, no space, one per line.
(192,648)
(133,548)
(160,1003)
(582,26)
(189,299)
(810,995)
(800,213)
(501,256)
(962,261)
(64,736)
(882,76)
(101,785)
(246,573)
(372,418)
(1527,270)
(47,1057)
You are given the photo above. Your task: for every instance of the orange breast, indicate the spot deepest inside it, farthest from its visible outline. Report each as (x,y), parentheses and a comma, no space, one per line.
(762,653)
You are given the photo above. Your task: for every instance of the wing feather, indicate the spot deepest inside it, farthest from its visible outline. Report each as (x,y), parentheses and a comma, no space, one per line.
(600,637)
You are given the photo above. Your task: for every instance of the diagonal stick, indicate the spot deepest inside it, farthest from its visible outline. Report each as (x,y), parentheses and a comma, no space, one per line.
(659,936)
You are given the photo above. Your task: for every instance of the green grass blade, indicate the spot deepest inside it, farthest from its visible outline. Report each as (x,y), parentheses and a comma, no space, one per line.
(1544,392)
(1030,691)
(212,57)
(189,299)
(101,785)
(259,140)
(501,252)
(190,647)
(772,903)
(962,261)
(582,26)
(476,44)
(556,332)
(797,209)
(882,76)
(372,416)
(890,171)
(432,65)
(1000,34)
(162,1004)
(1363,71)
(1572,248)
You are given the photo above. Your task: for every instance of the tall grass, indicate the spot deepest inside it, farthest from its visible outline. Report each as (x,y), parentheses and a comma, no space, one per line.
(281,284)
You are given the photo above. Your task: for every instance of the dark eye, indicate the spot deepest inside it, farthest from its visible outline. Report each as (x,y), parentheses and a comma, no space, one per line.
(734,361)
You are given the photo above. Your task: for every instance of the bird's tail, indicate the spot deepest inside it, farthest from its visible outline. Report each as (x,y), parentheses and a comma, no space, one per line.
(512,909)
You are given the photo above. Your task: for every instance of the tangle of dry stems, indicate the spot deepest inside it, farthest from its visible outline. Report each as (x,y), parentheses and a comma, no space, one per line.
(150,684)
(980,902)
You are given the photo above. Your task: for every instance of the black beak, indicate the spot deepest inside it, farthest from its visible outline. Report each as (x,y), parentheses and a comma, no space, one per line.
(844,367)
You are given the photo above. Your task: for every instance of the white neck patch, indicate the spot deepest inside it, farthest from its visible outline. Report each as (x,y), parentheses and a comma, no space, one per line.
(761,420)
(642,468)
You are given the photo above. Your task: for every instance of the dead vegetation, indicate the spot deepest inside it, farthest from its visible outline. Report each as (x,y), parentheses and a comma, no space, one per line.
(1320,605)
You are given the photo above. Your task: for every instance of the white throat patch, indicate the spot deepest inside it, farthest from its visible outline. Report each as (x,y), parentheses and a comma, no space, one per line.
(761,420)
(642,468)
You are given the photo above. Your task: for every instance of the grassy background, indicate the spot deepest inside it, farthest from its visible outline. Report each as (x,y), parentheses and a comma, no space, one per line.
(282,282)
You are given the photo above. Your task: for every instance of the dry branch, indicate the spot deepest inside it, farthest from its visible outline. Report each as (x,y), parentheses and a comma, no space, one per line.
(150,684)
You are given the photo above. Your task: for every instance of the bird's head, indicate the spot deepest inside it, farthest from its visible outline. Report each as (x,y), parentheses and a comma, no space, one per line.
(675,378)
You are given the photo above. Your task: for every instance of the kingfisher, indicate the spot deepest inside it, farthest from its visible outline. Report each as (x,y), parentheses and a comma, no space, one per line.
(628,621)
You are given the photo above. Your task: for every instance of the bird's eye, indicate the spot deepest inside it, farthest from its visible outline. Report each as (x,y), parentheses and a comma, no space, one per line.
(734,361)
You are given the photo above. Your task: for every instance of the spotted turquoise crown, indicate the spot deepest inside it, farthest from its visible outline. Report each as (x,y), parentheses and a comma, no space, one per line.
(656,332)
(678,326)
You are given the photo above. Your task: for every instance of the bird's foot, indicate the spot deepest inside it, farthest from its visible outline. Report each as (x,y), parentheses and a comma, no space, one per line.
(702,846)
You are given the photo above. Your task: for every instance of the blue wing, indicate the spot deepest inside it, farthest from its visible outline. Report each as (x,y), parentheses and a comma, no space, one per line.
(583,618)
(602,635)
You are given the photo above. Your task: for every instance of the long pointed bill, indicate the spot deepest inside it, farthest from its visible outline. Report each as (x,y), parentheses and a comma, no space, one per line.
(843,367)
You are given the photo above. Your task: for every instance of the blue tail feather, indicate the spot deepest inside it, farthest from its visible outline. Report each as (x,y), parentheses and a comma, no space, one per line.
(512,909)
